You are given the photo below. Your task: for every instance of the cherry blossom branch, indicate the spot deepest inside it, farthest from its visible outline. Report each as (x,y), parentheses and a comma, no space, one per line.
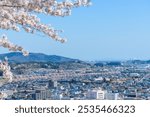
(6,44)
(7,74)
(16,14)
(20,12)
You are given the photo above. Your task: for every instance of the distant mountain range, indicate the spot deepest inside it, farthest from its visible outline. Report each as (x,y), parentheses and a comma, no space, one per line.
(34,57)
(16,57)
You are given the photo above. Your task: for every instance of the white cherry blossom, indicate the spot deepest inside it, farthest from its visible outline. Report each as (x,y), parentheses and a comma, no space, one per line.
(7,74)
(22,14)
(4,42)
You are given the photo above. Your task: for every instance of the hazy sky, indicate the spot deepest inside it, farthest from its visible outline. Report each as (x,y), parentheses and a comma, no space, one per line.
(107,30)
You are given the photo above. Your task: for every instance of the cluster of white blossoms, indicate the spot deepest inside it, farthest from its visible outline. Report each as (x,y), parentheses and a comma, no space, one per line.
(4,42)
(21,13)
(16,14)
(7,74)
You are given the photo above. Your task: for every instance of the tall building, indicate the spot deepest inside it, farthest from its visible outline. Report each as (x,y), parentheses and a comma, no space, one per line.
(41,95)
(50,84)
(111,96)
(96,94)
(100,95)
(55,83)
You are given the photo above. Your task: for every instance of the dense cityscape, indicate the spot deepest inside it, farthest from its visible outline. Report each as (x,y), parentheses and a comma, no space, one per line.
(78,80)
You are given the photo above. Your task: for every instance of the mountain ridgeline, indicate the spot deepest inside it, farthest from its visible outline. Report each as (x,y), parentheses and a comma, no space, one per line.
(16,57)
(19,63)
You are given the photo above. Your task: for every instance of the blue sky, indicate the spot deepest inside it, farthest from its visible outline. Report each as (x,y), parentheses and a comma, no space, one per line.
(107,30)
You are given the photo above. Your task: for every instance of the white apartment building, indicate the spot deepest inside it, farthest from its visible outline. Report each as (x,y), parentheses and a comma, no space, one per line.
(98,94)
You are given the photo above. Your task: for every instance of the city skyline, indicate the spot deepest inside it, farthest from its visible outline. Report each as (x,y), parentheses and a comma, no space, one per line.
(107,30)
